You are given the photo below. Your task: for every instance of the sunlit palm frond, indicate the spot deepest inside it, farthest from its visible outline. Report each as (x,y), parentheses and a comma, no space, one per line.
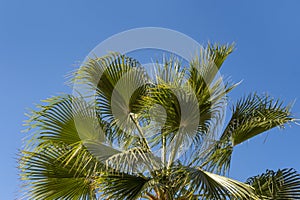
(282,185)
(219,53)
(66,119)
(209,62)
(47,176)
(134,160)
(120,83)
(251,116)
(209,87)
(256,114)
(211,92)
(169,77)
(213,186)
(71,122)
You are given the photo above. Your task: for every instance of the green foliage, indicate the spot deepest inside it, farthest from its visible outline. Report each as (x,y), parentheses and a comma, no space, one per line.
(103,141)
(121,185)
(282,184)
(47,176)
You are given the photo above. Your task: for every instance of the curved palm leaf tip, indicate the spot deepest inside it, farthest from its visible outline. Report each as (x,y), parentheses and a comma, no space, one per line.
(72,152)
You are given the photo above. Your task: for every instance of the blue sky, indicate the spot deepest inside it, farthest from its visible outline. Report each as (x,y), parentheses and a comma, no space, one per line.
(40,42)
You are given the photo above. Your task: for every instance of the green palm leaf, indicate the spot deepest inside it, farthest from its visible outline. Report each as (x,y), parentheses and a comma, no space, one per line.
(66,119)
(254,115)
(121,186)
(107,76)
(213,186)
(47,177)
(281,185)
(251,116)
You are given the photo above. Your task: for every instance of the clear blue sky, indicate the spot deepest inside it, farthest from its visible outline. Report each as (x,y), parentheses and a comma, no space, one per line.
(41,41)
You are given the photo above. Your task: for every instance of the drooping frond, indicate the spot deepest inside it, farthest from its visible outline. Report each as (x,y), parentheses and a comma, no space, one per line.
(121,186)
(62,128)
(282,184)
(213,186)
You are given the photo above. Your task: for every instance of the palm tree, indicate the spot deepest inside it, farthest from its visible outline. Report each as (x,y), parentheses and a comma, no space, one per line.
(149,137)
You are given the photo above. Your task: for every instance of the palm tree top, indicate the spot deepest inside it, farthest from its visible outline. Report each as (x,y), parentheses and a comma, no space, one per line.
(124,134)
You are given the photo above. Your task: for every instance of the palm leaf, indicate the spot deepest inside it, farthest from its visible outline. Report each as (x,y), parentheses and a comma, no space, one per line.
(251,116)
(47,177)
(281,185)
(213,186)
(254,115)
(121,186)
(217,157)
(120,83)
(202,71)
(66,119)
(210,60)
(134,160)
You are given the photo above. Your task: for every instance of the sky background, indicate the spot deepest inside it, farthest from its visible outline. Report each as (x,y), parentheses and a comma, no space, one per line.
(41,41)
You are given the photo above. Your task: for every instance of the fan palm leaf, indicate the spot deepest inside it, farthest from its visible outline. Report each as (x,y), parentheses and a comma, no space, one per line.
(251,116)
(282,184)
(46,176)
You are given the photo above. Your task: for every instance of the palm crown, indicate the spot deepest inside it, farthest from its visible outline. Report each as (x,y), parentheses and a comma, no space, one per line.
(129,136)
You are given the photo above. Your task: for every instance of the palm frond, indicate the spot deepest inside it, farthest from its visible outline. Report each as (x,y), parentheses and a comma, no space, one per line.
(71,122)
(66,119)
(134,160)
(120,83)
(121,186)
(210,60)
(283,184)
(213,186)
(251,116)
(254,115)
(210,89)
(211,92)
(217,157)
(46,176)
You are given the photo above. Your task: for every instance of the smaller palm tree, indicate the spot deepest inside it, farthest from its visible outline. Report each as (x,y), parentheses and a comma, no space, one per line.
(156,138)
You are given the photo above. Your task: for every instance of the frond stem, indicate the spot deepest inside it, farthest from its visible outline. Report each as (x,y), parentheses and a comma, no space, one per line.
(140,132)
